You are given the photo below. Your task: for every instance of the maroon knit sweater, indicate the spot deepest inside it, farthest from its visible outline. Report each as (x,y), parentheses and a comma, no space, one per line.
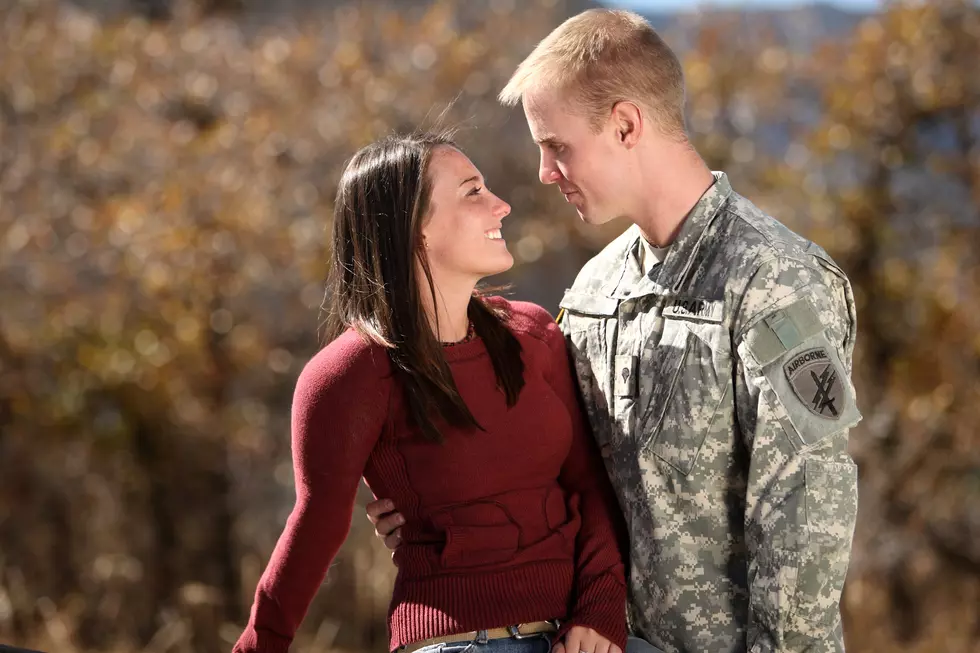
(509,525)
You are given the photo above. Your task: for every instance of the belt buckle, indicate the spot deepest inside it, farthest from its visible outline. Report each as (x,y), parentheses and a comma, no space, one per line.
(515,632)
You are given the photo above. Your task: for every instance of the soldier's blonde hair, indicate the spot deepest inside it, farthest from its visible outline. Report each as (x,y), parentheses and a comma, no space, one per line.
(601,57)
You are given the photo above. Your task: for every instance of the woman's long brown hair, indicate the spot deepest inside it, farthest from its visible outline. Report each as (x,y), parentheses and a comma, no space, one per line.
(373,285)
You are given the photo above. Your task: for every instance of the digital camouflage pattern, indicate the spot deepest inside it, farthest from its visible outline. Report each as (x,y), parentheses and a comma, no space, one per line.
(718,387)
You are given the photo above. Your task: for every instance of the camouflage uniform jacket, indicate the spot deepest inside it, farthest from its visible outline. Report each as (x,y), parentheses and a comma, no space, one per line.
(718,387)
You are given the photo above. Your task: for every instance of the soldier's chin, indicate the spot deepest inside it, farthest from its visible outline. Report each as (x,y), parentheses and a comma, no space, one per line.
(593,219)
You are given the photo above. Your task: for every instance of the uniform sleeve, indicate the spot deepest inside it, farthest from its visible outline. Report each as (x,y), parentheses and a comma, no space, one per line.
(795,404)
(600,588)
(332,438)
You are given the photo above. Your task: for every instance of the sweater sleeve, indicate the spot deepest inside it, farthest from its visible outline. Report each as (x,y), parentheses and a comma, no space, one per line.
(599,600)
(337,417)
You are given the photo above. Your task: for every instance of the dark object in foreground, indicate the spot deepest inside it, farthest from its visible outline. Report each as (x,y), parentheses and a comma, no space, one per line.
(13,649)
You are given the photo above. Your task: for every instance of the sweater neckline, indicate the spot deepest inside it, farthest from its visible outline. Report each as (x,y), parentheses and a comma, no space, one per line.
(464,350)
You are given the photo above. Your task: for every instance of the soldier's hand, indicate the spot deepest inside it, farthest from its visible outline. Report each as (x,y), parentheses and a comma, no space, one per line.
(387,522)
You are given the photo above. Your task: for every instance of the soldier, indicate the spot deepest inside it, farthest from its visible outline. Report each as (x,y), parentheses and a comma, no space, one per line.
(713,349)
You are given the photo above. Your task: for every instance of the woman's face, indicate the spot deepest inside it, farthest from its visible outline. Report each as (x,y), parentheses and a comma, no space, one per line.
(462,229)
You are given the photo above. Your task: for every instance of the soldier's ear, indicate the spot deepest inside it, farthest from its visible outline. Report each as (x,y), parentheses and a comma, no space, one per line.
(629,123)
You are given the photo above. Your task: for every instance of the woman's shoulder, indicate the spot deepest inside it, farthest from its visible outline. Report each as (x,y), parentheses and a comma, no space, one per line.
(527,318)
(350,360)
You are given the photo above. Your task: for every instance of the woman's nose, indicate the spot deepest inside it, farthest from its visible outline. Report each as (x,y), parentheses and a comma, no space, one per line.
(502,209)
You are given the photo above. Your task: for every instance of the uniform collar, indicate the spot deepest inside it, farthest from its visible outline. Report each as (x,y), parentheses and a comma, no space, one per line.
(667,277)
(631,281)
(675,268)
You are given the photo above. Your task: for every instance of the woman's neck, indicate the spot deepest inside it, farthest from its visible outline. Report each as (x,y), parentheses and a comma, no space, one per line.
(452,308)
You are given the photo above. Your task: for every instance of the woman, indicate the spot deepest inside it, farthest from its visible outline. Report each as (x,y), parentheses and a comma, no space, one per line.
(461,409)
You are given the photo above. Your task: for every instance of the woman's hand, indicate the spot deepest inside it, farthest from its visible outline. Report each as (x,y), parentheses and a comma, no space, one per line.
(580,639)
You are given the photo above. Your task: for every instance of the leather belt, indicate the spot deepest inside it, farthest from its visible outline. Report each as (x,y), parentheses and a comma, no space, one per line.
(517,632)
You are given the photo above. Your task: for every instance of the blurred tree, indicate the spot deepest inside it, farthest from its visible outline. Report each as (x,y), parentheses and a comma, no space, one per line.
(892,189)
(164,192)
(165,188)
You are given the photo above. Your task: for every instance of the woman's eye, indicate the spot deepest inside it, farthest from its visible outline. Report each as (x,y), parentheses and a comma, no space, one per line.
(475,191)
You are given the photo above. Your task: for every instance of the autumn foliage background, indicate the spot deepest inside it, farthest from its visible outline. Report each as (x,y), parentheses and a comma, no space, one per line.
(167,172)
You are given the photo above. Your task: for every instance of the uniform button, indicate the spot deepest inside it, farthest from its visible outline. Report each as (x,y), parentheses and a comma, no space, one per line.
(626,373)
(606,450)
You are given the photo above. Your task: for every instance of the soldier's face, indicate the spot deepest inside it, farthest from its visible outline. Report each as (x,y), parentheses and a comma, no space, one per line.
(462,235)
(587,167)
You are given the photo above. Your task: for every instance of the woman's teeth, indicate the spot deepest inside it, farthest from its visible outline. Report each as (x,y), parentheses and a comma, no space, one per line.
(494,234)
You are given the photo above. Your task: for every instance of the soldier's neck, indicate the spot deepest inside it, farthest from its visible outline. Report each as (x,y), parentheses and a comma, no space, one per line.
(672,187)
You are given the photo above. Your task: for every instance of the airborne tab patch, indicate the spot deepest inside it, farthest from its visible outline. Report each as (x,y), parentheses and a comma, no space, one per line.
(816,381)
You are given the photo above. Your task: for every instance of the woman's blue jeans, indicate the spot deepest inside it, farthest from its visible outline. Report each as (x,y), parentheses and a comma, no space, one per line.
(538,643)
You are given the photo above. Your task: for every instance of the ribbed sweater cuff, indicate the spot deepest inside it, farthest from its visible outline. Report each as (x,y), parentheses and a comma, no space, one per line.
(252,641)
(601,606)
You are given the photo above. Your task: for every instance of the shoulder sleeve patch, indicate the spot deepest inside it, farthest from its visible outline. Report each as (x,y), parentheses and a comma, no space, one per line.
(817,383)
(801,373)
(810,385)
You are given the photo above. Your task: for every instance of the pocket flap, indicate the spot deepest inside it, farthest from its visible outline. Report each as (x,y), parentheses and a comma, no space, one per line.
(782,331)
(831,499)
(470,546)
(589,304)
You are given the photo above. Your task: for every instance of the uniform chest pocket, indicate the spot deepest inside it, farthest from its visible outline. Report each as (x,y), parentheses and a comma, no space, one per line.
(587,321)
(688,378)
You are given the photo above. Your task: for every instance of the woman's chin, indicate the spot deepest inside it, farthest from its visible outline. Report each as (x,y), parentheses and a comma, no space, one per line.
(506,263)
(500,265)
